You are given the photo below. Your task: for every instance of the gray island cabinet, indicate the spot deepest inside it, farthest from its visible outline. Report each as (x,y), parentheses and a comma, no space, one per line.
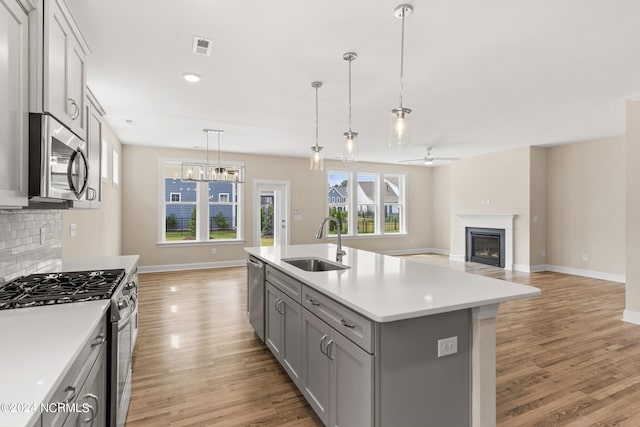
(386,341)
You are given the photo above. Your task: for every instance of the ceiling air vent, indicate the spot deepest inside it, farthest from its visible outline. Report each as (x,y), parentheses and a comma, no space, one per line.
(202,46)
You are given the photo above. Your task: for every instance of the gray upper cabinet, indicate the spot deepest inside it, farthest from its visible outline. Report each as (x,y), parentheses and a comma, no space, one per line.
(59,75)
(14,112)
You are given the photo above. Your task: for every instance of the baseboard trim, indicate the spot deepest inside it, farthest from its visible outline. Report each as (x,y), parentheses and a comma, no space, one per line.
(631,317)
(612,277)
(416,251)
(191,266)
(538,268)
(522,268)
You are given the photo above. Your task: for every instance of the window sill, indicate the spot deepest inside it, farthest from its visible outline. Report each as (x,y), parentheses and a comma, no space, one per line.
(368,236)
(196,243)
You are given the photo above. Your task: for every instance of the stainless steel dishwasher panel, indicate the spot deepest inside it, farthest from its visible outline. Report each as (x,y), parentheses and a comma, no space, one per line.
(255,295)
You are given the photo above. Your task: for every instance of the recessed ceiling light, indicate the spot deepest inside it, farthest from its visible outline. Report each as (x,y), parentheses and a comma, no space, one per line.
(128,121)
(191,77)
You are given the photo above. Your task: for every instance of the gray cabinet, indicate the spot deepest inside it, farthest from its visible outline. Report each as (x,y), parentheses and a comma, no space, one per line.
(58,57)
(282,330)
(337,375)
(14,109)
(92,399)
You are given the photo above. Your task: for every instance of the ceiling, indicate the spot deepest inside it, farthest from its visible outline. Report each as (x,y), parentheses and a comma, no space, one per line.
(479,76)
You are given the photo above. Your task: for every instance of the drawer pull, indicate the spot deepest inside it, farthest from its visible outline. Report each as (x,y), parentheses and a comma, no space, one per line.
(98,340)
(71,389)
(347,324)
(329,348)
(313,302)
(322,348)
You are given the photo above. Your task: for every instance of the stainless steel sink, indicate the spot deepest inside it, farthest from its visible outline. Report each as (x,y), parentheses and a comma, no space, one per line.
(314,264)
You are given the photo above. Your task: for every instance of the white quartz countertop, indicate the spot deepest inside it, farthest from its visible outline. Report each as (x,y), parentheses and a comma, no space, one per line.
(39,345)
(385,288)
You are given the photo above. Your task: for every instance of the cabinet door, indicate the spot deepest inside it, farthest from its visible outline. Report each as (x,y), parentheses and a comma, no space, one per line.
(351,381)
(94,396)
(291,312)
(14,111)
(64,77)
(273,320)
(315,364)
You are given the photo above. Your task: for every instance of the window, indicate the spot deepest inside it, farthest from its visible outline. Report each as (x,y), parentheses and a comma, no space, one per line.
(103,159)
(376,209)
(197,211)
(115,172)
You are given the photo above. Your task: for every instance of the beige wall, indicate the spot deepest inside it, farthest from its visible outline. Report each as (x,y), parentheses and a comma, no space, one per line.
(632,180)
(308,196)
(441,208)
(503,179)
(538,206)
(586,205)
(98,231)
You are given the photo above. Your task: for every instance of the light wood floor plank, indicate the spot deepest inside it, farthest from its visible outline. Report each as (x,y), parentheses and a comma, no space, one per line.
(563,359)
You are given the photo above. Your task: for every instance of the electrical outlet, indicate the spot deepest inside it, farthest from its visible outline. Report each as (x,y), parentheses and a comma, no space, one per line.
(447,346)
(543,252)
(585,257)
(214,251)
(535,218)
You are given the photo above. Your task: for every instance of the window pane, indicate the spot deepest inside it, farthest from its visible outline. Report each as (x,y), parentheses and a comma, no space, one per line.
(392,203)
(338,200)
(266,219)
(367,200)
(223,216)
(180,205)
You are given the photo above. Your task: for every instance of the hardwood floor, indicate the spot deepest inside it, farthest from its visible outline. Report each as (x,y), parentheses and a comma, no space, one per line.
(564,358)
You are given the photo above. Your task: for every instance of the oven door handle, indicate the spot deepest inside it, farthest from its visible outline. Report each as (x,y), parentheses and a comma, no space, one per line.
(134,310)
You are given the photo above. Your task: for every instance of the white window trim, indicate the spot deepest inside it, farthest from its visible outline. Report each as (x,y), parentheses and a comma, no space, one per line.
(104,160)
(202,205)
(115,168)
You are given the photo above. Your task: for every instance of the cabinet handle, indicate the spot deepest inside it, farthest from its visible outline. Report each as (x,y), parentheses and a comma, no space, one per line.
(322,340)
(313,302)
(91,193)
(278,305)
(98,340)
(71,389)
(347,324)
(329,348)
(76,111)
(94,412)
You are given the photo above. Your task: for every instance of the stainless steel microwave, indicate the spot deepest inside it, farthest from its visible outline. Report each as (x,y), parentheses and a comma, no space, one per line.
(58,166)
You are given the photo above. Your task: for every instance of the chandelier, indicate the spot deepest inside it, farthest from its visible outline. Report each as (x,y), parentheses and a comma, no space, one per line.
(212,171)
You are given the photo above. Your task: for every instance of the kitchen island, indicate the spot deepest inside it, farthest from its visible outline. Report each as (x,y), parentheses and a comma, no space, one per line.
(386,341)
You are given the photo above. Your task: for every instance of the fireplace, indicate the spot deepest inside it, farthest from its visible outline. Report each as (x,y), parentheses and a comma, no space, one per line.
(486,246)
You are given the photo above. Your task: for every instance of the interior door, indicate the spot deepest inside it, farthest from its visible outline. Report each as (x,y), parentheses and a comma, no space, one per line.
(271,207)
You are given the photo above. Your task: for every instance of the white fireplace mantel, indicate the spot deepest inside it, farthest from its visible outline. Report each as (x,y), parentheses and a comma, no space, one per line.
(500,221)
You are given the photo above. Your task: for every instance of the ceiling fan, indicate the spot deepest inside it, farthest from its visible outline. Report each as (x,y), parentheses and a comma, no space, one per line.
(429,158)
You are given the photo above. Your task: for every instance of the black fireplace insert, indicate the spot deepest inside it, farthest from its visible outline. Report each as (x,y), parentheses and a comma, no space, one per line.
(485,245)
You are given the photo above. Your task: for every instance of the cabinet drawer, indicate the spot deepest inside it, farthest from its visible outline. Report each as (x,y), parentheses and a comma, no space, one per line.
(70,387)
(352,325)
(286,284)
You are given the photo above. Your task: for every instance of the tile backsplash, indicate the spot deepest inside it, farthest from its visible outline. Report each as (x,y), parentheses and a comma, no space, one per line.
(30,241)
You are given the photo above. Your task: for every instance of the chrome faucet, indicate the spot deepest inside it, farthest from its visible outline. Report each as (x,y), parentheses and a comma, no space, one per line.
(340,253)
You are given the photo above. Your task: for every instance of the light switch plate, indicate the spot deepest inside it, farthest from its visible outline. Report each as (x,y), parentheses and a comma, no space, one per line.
(447,346)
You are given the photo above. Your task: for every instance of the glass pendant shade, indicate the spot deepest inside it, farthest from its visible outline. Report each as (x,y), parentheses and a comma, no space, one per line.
(350,153)
(400,127)
(316,159)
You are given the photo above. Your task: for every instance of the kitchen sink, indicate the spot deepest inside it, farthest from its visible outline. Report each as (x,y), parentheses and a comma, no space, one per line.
(315,264)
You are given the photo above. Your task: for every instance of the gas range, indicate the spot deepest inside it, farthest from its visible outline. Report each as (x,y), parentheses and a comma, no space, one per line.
(59,288)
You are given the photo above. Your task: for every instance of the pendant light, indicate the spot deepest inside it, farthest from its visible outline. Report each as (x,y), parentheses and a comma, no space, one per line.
(212,172)
(399,129)
(316,161)
(350,152)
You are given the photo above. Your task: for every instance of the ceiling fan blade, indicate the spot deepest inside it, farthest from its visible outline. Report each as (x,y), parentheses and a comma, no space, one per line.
(446,158)
(412,160)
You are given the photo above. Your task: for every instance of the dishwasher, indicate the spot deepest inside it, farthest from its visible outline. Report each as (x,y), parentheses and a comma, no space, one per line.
(255,295)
